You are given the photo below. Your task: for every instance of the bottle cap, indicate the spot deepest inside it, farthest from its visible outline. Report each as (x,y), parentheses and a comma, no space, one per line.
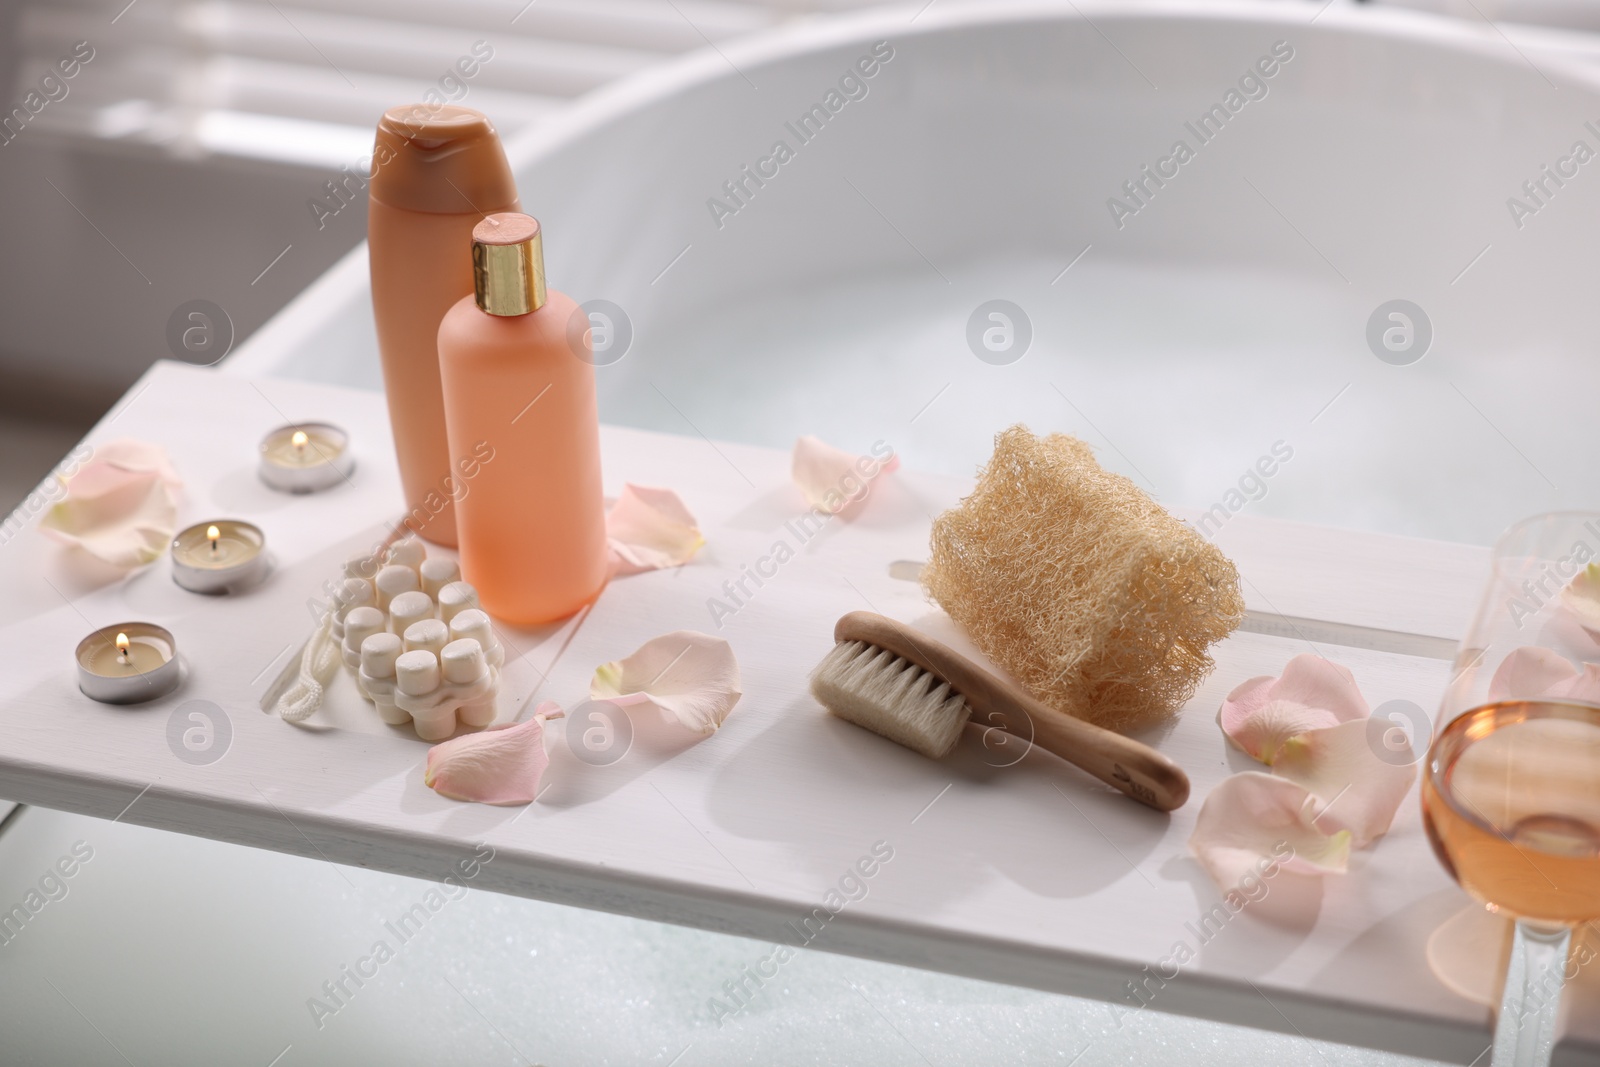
(508,264)
(441,160)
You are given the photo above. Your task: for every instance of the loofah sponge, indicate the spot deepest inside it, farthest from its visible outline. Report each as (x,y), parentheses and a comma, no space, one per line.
(1072,579)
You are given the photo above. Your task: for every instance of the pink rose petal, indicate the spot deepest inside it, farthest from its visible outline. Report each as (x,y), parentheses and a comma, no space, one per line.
(1260,715)
(1529,672)
(1254,818)
(120,506)
(832,479)
(691,678)
(1585,687)
(1533,672)
(1241,709)
(500,765)
(650,528)
(130,453)
(1581,597)
(1330,789)
(1322,683)
(1355,789)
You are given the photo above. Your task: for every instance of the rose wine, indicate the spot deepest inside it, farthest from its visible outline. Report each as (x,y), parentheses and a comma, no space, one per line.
(1511,800)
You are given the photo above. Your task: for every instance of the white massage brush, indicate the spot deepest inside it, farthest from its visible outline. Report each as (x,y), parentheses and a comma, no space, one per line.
(904,685)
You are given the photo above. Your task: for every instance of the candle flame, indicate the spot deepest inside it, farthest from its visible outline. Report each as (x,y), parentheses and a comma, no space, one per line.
(299,438)
(212,534)
(122,644)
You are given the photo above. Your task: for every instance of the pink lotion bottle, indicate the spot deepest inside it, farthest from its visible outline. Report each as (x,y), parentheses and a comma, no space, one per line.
(531,524)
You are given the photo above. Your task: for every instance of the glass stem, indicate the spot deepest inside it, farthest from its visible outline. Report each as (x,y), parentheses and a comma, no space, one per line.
(1525,1033)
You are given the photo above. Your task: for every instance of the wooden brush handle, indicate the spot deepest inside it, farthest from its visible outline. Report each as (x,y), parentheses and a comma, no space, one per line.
(1121,762)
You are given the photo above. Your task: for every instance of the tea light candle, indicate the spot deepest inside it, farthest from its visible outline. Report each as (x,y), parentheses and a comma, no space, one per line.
(214,557)
(128,663)
(305,457)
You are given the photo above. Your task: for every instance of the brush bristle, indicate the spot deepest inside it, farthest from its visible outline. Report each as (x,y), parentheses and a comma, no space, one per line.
(876,689)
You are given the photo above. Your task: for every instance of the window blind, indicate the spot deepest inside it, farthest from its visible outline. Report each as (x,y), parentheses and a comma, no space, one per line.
(303,83)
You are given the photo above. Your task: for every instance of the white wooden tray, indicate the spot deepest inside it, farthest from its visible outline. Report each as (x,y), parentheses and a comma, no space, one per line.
(1031,874)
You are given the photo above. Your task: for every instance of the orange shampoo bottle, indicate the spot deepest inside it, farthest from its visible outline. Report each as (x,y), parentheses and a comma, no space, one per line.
(436,171)
(531,523)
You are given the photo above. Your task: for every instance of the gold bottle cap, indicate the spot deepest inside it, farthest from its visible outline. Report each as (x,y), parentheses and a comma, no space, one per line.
(508,264)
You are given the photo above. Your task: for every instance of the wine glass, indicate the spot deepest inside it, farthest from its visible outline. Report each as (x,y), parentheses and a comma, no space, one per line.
(1511,785)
